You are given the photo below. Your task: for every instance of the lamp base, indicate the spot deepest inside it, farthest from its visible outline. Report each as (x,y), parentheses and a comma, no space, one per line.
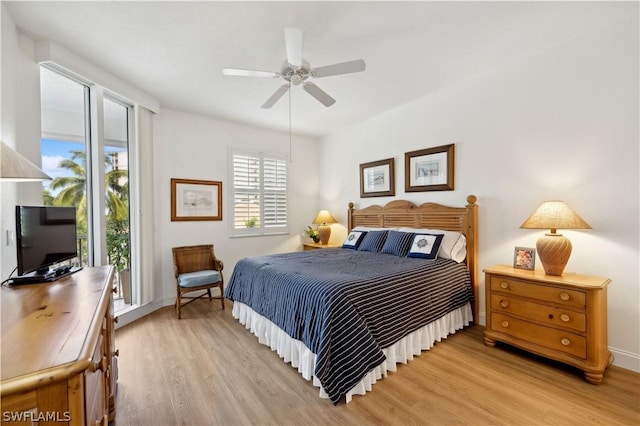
(554,251)
(324,231)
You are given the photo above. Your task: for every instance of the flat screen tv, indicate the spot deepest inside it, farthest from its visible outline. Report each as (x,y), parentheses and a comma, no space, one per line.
(45,236)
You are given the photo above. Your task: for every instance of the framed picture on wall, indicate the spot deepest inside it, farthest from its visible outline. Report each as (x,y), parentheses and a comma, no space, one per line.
(524,258)
(195,200)
(377,179)
(430,169)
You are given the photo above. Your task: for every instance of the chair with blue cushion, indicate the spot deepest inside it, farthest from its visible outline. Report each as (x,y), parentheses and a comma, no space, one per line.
(196,270)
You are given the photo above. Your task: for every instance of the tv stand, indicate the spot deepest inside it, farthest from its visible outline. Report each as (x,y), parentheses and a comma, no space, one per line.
(59,361)
(45,277)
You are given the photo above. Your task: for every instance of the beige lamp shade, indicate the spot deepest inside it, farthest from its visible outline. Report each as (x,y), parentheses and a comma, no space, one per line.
(554,249)
(324,219)
(15,168)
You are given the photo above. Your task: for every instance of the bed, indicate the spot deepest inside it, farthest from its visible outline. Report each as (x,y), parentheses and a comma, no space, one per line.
(344,317)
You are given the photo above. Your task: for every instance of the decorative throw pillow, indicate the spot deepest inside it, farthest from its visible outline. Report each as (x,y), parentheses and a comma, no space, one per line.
(397,243)
(454,244)
(425,246)
(373,241)
(353,240)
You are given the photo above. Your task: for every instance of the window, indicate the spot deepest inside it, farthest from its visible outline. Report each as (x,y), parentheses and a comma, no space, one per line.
(258,194)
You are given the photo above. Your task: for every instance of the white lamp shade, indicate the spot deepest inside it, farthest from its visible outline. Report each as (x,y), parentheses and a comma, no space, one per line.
(15,168)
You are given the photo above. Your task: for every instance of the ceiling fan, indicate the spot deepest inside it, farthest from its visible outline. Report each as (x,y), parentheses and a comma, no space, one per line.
(295,70)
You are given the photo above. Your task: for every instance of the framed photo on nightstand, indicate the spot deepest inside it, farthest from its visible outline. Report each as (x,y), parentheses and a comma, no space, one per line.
(524,258)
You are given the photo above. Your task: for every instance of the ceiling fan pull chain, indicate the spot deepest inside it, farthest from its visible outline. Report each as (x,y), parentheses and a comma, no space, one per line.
(290,160)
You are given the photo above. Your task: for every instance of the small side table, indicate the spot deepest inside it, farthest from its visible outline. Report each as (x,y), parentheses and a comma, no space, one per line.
(316,246)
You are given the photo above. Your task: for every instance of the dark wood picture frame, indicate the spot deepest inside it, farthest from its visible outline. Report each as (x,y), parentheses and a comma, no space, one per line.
(430,169)
(193,200)
(377,179)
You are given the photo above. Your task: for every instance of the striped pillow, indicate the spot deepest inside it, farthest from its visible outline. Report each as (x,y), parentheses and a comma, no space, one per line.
(373,241)
(397,243)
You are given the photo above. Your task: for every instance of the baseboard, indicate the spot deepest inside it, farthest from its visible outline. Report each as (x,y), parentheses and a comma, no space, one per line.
(626,359)
(136,312)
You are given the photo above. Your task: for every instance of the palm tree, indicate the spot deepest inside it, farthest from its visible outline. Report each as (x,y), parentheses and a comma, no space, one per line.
(73,193)
(73,188)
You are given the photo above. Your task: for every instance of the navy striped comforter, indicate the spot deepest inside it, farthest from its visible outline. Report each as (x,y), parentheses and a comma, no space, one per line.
(347,305)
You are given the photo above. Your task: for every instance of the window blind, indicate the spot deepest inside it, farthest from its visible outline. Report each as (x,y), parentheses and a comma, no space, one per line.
(259,193)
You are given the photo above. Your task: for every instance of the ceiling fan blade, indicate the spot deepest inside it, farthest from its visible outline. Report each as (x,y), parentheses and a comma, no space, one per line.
(277,95)
(319,94)
(341,68)
(293,41)
(249,73)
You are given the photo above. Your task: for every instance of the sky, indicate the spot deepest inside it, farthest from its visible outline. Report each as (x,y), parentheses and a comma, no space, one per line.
(54,151)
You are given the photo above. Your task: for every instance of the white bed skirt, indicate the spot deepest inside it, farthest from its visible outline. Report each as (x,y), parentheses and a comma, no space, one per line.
(295,352)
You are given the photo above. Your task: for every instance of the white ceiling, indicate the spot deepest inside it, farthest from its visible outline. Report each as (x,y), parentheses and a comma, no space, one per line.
(175,51)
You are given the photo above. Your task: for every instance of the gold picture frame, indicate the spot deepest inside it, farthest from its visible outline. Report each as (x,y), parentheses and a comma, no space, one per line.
(377,179)
(193,200)
(430,169)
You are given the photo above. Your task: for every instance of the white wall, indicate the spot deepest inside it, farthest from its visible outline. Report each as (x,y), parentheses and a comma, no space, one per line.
(189,146)
(560,125)
(19,128)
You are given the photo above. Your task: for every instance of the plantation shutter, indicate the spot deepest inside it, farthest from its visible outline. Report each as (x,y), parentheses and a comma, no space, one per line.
(259,194)
(275,192)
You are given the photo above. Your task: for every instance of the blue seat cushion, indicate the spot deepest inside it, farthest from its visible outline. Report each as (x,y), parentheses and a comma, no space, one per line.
(198,278)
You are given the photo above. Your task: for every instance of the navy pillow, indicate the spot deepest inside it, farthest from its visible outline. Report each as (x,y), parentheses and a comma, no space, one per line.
(425,246)
(354,239)
(373,241)
(398,243)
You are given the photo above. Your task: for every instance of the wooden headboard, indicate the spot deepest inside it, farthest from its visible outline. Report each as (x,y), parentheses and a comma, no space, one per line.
(403,213)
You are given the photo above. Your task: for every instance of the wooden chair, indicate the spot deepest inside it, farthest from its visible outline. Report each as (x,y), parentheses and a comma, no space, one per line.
(196,269)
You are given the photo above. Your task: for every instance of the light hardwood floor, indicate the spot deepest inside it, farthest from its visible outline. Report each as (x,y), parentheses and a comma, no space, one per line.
(207,369)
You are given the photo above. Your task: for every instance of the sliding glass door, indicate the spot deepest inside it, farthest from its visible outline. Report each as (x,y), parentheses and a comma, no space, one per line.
(86,136)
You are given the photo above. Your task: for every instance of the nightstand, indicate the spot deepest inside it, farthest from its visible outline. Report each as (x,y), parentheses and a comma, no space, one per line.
(315,246)
(559,317)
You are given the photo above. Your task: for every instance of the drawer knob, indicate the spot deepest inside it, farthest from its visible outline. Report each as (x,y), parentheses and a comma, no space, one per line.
(505,324)
(565,341)
(565,317)
(504,285)
(564,296)
(504,303)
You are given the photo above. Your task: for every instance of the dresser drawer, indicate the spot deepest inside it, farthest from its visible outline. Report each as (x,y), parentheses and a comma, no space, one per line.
(560,317)
(544,336)
(540,292)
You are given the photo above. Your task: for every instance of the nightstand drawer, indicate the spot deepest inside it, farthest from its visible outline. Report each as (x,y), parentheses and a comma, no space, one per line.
(560,317)
(548,337)
(540,292)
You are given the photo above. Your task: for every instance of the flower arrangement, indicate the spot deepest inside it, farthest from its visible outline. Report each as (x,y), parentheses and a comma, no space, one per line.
(313,234)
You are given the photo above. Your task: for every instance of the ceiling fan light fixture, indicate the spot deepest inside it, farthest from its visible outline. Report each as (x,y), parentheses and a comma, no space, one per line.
(297,79)
(295,70)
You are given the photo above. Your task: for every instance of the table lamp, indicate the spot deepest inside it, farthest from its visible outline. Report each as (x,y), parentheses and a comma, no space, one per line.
(15,168)
(324,218)
(554,249)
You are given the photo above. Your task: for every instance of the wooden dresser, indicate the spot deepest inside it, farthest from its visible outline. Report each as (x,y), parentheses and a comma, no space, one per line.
(58,360)
(559,317)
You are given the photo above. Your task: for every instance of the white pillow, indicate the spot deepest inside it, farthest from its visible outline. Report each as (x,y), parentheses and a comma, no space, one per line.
(453,246)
